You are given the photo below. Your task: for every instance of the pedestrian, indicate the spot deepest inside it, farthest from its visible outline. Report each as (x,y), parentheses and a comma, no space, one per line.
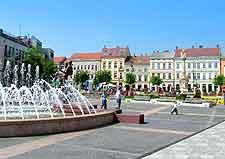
(174,109)
(118,97)
(104,100)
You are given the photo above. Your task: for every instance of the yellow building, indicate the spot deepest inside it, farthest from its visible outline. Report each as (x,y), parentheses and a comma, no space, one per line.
(113,59)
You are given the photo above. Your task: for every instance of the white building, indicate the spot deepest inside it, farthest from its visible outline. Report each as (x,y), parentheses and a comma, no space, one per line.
(202,66)
(139,65)
(89,62)
(162,65)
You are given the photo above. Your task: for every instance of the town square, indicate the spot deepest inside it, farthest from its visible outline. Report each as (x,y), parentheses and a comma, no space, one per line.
(112,80)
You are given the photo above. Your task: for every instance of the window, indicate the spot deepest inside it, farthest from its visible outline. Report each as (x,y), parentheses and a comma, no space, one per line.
(74,68)
(210,76)
(198,65)
(104,65)
(158,65)
(169,65)
(146,78)
(178,66)
(204,66)
(204,76)
(6,50)
(81,67)
(189,75)
(178,75)
(121,65)
(189,65)
(85,67)
(153,65)
(209,65)
(198,76)
(78,67)
(158,74)
(164,66)
(96,67)
(127,70)
(121,76)
(164,76)
(115,64)
(170,77)
(139,78)
(92,67)
(194,76)
(115,74)
(194,65)
(153,74)
(215,65)
(145,70)
(109,65)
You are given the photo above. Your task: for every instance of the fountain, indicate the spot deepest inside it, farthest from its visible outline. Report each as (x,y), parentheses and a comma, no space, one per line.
(34,100)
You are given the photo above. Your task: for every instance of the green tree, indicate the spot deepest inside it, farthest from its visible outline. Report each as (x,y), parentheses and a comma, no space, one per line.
(80,77)
(219,81)
(102,76)
(130,78)
(47,68)
(156,80)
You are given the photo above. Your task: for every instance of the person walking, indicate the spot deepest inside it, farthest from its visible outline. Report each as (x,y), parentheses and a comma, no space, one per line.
(174,109)
(104,100)
(118,97)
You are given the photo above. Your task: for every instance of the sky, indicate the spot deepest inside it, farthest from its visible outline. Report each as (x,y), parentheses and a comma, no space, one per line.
(70,26)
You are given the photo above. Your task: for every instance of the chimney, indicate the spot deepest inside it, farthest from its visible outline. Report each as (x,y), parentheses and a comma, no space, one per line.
(200,46)
(176,47)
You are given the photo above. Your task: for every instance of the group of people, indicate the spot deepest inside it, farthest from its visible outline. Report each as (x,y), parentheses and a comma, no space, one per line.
(118,96)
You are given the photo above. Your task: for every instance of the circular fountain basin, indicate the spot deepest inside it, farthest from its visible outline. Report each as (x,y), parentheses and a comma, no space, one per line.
(43,126)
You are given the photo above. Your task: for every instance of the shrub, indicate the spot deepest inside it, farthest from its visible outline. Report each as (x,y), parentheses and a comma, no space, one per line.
(153,96)
(181,97)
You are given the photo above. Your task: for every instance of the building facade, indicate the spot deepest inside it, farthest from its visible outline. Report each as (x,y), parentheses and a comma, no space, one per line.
(202,66)
(11,49)
(113,59)
(89,62)
(162,65)
(60,62)
(139,65)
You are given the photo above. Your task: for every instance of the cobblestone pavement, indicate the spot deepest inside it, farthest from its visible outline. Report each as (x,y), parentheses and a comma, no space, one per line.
(121,141)
(209,144)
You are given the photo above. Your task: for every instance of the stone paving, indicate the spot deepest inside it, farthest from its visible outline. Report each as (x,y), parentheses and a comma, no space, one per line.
(117,141)
(209,144)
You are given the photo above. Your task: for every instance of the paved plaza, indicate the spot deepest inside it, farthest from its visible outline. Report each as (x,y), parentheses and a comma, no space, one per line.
(122,140)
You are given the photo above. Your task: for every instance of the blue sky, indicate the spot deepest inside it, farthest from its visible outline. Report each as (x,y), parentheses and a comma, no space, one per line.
(69,26)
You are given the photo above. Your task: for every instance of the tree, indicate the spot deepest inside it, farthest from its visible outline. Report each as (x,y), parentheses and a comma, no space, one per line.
(130,78)
(102,76)
(47,68)
(80,77)
(156,80)
(219,81)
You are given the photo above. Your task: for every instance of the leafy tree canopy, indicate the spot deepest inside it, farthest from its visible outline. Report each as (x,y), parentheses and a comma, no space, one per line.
(35,57)
(130,78)
(219,80)
(156,80)
(81,76)
(102,76)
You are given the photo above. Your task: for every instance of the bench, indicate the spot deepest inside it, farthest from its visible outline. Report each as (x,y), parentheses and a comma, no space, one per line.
(193,100)
(142,98)
(131,118)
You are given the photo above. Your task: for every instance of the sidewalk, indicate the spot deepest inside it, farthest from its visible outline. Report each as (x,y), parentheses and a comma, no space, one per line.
(209,144)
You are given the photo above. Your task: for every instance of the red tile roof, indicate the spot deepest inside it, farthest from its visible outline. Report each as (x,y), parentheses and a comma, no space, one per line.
(116,52)
(59,59)
(139,59)
(196,52)
(86,56)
